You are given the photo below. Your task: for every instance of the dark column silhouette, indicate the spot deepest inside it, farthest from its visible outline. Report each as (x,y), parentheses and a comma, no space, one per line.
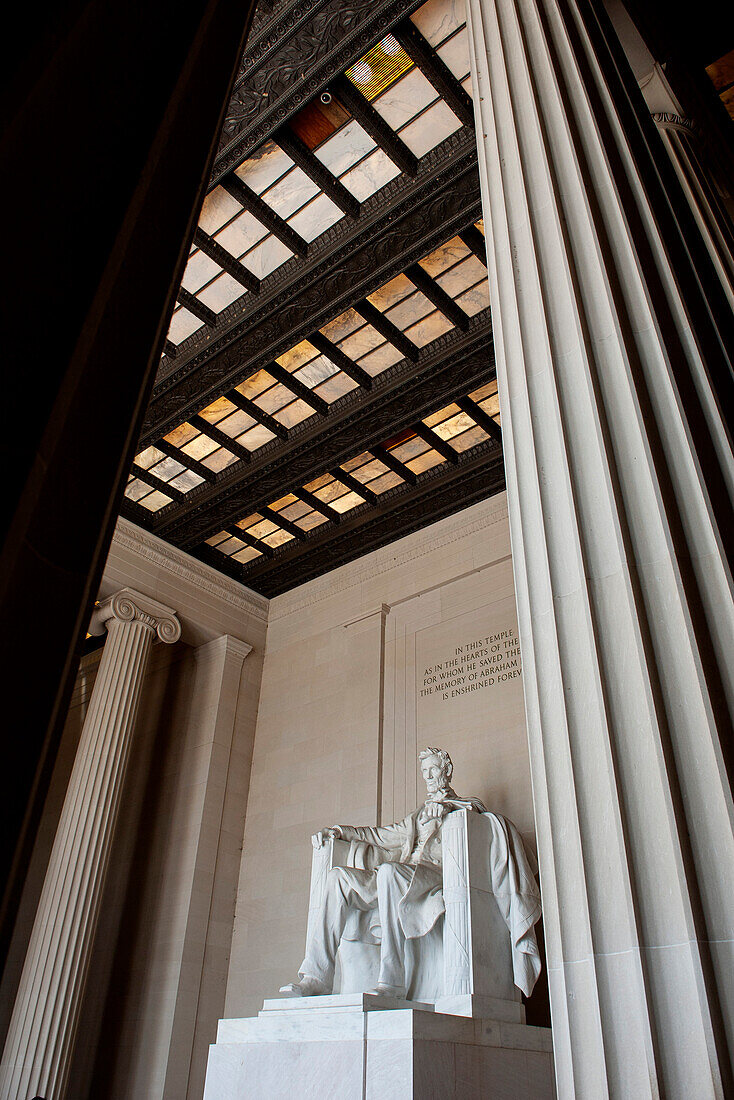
(112,113)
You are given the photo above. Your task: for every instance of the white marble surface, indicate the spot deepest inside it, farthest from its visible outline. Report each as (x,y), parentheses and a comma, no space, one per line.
(403,100)
(345,148)
(182,325)
(430,128)
(367,1002)
(222,292)
(199,270)
(217,209)
(370,174)
(266,165)
(316,217)
(290,193)
(437,19)
(608,495)
(241,233)
(455,54)
(343,1051)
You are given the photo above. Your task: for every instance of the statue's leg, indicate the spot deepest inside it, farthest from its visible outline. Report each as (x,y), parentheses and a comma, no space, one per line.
(346,888)
(393,881)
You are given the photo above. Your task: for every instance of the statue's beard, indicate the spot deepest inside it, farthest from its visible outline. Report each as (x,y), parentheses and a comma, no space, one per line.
(437,786)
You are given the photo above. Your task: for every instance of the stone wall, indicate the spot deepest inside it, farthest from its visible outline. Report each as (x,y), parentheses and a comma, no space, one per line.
(411,645)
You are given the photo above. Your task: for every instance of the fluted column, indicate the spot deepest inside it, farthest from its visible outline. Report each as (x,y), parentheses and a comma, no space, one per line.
(683,145)
(42,1031)
(612,337)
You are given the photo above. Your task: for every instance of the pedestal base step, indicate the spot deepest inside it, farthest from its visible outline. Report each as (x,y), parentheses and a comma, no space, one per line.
(349,1047)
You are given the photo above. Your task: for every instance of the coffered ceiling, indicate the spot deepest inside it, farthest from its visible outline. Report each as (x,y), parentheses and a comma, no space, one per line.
(327,383)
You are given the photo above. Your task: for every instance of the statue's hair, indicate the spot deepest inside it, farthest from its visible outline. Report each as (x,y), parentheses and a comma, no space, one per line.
(440,755)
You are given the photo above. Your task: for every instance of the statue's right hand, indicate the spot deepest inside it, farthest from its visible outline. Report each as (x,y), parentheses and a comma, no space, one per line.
(330,832)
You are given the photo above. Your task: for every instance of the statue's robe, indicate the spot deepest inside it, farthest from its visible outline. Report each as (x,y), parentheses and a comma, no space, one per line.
(510,876)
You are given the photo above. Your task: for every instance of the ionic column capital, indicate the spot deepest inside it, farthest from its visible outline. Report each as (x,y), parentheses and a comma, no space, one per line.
(668,120)
(128,606)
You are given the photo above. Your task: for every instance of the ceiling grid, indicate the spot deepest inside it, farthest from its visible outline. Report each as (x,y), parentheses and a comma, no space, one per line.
(327,382)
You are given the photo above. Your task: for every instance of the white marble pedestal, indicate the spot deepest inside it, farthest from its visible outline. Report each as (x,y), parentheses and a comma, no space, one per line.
(358,1046)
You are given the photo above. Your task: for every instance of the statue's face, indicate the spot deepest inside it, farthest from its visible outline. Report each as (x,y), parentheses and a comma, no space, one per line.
(433,773)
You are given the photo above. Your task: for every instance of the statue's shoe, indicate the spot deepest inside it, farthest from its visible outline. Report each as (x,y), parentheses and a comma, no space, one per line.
(397,991)
(306,987)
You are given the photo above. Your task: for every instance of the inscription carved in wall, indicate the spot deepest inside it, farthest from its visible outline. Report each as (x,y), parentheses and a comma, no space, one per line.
(477,664)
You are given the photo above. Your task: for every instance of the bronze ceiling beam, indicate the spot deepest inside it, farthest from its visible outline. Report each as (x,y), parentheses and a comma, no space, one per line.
(383,135)
(193,464)
(258,414)
(300,154)
(274,82)
(297,388)
(401,195)
(372,315)
(388,459)
(249,540)
(267,217)
(476,412)
(340,360)
(193,305)
(285,524)
(433,440)
(226,261)
(399,225)
(438,493)
(220,437)
(475,242)
(156,482)
(318,505)
(354,484)
(435,71)
(438,296)
(455,364)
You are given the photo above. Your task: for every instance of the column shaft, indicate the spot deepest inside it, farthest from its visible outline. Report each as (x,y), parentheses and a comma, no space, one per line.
(683,147)
(612,357)
(41,1036)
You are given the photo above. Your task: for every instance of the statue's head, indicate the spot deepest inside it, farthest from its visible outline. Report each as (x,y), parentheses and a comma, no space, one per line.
(436,768)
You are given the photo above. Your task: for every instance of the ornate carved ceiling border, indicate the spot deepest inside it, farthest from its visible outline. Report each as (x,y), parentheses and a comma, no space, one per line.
(170,560)
(291,59)
(456,366)
(333,246)
(319,298)
(438,494)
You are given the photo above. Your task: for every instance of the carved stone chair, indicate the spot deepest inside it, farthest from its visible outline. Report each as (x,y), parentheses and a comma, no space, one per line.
(464,964)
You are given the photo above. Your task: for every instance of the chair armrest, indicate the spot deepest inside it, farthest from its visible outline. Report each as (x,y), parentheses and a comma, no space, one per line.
(333,853)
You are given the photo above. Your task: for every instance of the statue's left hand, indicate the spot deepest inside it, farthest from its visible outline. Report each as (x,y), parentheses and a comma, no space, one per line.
(436,810)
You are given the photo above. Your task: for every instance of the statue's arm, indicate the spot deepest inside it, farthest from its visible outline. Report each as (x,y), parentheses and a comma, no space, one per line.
(466,804)
(388,837)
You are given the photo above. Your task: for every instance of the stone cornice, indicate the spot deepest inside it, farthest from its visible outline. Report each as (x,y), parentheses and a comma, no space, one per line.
(179,564)
(354,574)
